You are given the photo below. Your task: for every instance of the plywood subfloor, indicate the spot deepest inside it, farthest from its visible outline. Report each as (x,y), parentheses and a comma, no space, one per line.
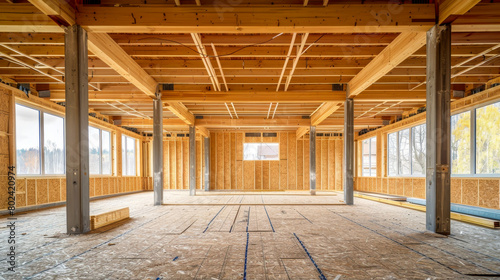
(365,241)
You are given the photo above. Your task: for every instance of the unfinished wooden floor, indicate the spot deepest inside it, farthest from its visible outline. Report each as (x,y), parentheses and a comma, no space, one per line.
(258,239)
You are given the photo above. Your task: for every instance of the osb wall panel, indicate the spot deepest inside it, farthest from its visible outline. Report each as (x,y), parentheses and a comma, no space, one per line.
(291,172)
(176,163)
(37,191)
(4,146)
(482,192)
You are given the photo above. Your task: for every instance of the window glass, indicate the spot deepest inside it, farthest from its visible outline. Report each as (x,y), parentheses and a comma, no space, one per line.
(460,143)
(130,156)
(404,152)
(366,157)
(261,151)
(124,155)
(418,149)
(373,156)
(27,140)
(488,139)
(53,146)
(106,152)
(369,158)
(392,154)
(94,151)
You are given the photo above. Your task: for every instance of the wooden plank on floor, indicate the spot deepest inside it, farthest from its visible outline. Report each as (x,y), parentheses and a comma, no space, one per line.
(104,219)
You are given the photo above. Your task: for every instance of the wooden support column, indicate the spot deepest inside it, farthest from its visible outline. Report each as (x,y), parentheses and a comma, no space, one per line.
(349,151)
(158,149)
(312,160)
(192,160)
(207,163)
(438,129)
(77,124)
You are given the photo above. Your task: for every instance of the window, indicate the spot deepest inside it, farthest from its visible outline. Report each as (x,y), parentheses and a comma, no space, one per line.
(406,152)
(261,151)
(28,140)
(369,159)
(99,151)
(53,144)
(418,147)
(460,143)
(106,152)
(36,129)
(128,156)
(392,151)
(488,139)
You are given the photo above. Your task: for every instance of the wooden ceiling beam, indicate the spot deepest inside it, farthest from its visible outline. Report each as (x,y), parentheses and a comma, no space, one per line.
(247,97)
(203,131)
(251,97)
(400,49)
(104,47)
(257,64)
(221,122)
(457,38)
(325,111)
(56,9)
(107,50)
(261,19)
(181,111)
(25,18)
(301,131)
(450,9)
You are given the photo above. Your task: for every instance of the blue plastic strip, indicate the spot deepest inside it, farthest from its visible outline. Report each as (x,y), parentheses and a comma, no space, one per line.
(464,209)
(303,216)
(246,256)
(269,218)
(213,219)
(321,275)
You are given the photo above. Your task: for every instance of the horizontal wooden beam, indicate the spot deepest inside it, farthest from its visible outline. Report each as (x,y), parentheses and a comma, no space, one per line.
(246,122)
(260,52)
(341,18)
(251,97)
(204,97)
(25,18)
(457,38)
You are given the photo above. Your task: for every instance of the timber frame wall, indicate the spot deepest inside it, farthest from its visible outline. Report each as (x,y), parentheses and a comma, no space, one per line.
(228,170)
(40,190)
(474,190)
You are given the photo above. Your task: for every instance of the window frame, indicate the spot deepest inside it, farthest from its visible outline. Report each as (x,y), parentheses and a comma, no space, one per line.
(100,152)
(41,136)
(370,154)
(410,141)
(260,143)
(473,146)
(124,160)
